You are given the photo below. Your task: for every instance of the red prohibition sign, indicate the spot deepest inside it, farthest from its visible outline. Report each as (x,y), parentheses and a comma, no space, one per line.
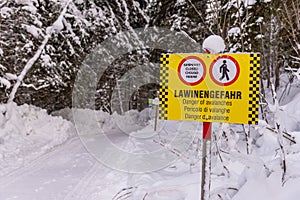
(196,78)
(232,79)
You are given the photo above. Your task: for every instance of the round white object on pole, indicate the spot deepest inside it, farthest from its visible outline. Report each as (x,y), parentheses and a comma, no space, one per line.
(213,44)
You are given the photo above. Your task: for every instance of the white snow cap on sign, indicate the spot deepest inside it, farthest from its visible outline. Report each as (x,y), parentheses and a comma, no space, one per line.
(214,44)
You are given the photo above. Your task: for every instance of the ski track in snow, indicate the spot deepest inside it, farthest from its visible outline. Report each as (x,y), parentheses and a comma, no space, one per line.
(85,182)
(100,178)
(68,172)
(53,175)
(36,164)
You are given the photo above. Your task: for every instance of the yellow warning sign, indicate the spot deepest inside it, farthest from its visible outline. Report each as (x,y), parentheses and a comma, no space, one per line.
(210,87)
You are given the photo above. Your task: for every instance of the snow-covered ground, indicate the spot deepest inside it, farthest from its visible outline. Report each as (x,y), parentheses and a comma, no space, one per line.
(44,157)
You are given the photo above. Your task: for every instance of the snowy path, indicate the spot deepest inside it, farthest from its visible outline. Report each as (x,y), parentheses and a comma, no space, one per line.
(68,172)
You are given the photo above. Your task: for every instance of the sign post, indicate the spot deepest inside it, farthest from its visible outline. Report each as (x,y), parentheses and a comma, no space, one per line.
(209,88)
(207,129)
(156,104)
(206,137)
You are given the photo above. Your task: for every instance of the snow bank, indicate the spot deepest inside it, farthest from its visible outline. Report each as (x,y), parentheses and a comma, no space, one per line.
(83,119)
(87,121)
(290,115)
(27,132)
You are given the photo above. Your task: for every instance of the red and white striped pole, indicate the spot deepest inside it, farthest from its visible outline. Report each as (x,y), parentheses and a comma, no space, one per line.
(207,125)
(206,139)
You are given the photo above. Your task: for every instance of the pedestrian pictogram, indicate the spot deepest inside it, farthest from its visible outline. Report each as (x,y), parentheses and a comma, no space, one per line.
(191,70)
(224,70)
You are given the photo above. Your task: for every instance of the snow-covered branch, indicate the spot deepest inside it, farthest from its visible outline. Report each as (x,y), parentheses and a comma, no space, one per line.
(2,4)
(56,27)
(295,72)
(278,128)
(5,82)
(34,87)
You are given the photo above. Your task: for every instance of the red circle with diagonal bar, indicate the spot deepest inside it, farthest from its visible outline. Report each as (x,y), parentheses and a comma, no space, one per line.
(191,70)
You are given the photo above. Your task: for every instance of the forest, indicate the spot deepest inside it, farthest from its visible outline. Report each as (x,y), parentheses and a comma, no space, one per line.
(44,43)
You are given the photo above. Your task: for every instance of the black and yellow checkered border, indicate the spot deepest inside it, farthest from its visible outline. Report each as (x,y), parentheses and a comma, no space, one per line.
(163,86)
(254,88)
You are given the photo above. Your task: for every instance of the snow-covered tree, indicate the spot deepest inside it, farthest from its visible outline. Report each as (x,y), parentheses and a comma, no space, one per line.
(264,26)
(25,24)
(239,22)
(181,15)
